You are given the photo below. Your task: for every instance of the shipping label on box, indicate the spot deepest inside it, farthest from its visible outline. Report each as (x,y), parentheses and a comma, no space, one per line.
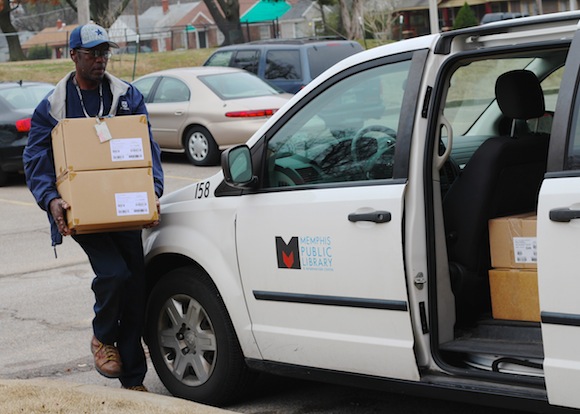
(525,250)
(77,147)
(131,204)
(512,241)
(514,294)
(127,149)
(108,200)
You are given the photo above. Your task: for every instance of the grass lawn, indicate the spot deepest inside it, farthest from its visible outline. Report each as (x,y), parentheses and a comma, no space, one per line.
(121,65)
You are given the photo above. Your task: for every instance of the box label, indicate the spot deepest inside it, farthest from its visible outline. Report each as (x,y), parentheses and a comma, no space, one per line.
(127,149)
(525,250)
(132,204)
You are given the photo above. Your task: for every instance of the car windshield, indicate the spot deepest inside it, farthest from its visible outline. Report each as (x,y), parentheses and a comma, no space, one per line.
(238,85)
(26,96)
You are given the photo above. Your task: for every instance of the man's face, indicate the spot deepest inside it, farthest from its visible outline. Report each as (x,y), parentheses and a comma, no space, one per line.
(91,63)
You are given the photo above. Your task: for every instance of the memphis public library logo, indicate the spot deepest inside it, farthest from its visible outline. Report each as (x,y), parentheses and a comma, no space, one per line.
(305,252)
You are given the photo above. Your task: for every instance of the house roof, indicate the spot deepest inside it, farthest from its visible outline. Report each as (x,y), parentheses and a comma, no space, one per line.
(298,10)
(150,21)
(50,36)
(156,15)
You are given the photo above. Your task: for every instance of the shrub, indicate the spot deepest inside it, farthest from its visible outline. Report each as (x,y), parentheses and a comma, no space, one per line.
(39,52)
(465,17)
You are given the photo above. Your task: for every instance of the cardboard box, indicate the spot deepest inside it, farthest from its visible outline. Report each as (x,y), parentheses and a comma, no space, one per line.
(77,147)
(514,294)
(513,241)
(108,200)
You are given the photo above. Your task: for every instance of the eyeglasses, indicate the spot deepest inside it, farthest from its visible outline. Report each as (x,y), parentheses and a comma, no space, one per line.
(95,53)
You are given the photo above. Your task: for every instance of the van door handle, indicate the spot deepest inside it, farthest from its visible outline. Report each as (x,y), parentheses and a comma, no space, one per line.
(375,217)
(178,113)
(564,215)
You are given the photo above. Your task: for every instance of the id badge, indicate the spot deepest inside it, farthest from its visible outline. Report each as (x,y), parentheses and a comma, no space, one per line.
(103,131)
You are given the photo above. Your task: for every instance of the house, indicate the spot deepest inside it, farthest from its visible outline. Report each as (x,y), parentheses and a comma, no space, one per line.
(157,27)
(191,26)
(54,39)
(415,13)
(304,19)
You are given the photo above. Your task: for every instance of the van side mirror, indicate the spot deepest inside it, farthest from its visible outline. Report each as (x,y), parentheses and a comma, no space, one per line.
(237,167)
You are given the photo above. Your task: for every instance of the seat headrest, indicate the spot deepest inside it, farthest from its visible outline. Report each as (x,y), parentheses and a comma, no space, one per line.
(519,95)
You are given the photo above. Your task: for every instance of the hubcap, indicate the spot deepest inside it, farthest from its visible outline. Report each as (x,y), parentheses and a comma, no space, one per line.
(198,146)
(187,340)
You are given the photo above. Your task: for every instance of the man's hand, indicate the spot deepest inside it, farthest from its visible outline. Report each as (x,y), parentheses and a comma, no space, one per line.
(156,222)
(58,208)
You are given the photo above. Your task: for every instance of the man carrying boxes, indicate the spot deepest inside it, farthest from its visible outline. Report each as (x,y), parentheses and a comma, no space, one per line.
(92,164)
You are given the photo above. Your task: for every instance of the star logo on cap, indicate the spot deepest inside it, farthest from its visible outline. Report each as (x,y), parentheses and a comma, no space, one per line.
(99,32)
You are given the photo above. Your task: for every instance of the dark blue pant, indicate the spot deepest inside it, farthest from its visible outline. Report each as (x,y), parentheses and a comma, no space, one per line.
(119,287)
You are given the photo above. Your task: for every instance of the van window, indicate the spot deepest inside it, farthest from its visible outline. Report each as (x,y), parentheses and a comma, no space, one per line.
(347,133)
(220,58)
(283,64)
(247,60)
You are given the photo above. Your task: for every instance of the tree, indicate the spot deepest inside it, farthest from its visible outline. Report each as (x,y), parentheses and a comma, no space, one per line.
(226,14)
(321,4)
(380,17)
(465,17)
(101,11)
(14,48)
(351,14)
(40,15)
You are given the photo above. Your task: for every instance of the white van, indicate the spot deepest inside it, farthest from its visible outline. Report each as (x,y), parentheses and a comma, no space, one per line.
(409,221)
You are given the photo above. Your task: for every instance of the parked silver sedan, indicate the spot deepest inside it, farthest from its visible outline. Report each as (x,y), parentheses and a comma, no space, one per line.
(203,110)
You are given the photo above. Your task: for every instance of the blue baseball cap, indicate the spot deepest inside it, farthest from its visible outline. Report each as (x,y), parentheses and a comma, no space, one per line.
(88,36)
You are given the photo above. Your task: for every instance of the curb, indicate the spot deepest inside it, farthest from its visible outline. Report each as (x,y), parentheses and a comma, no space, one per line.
(56,396)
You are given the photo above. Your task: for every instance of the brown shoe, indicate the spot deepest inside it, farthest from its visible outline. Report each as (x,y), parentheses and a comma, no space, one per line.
(141,388)
(107,359)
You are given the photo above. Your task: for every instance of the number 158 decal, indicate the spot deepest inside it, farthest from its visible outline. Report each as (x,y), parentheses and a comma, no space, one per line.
(202,189)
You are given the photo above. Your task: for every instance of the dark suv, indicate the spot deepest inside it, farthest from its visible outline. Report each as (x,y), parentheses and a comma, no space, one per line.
(287,63)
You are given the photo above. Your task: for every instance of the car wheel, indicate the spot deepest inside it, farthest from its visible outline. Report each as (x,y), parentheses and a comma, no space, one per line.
(200,147)
(192,342)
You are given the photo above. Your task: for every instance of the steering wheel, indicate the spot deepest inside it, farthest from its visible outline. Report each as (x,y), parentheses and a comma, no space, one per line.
(367,154)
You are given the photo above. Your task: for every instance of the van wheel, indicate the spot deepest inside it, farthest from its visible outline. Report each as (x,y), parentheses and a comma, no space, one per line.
(192,342)
(200,147)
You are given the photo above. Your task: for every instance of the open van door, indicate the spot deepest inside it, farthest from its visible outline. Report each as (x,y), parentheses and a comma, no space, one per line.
(558,244)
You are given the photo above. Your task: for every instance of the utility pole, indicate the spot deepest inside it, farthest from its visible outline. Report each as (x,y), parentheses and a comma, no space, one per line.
(136,12)
(433,16)
(83,12)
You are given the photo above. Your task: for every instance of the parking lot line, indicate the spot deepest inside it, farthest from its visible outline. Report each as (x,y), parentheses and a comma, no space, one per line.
(18,203)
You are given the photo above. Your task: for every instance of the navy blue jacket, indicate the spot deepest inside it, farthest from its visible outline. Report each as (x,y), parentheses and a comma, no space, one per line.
(38,158)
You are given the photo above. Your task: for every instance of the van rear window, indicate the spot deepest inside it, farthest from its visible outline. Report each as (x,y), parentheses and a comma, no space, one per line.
(321,58)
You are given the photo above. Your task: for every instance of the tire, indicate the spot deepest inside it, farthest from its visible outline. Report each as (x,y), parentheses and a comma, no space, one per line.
(192,341)
(200,147)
